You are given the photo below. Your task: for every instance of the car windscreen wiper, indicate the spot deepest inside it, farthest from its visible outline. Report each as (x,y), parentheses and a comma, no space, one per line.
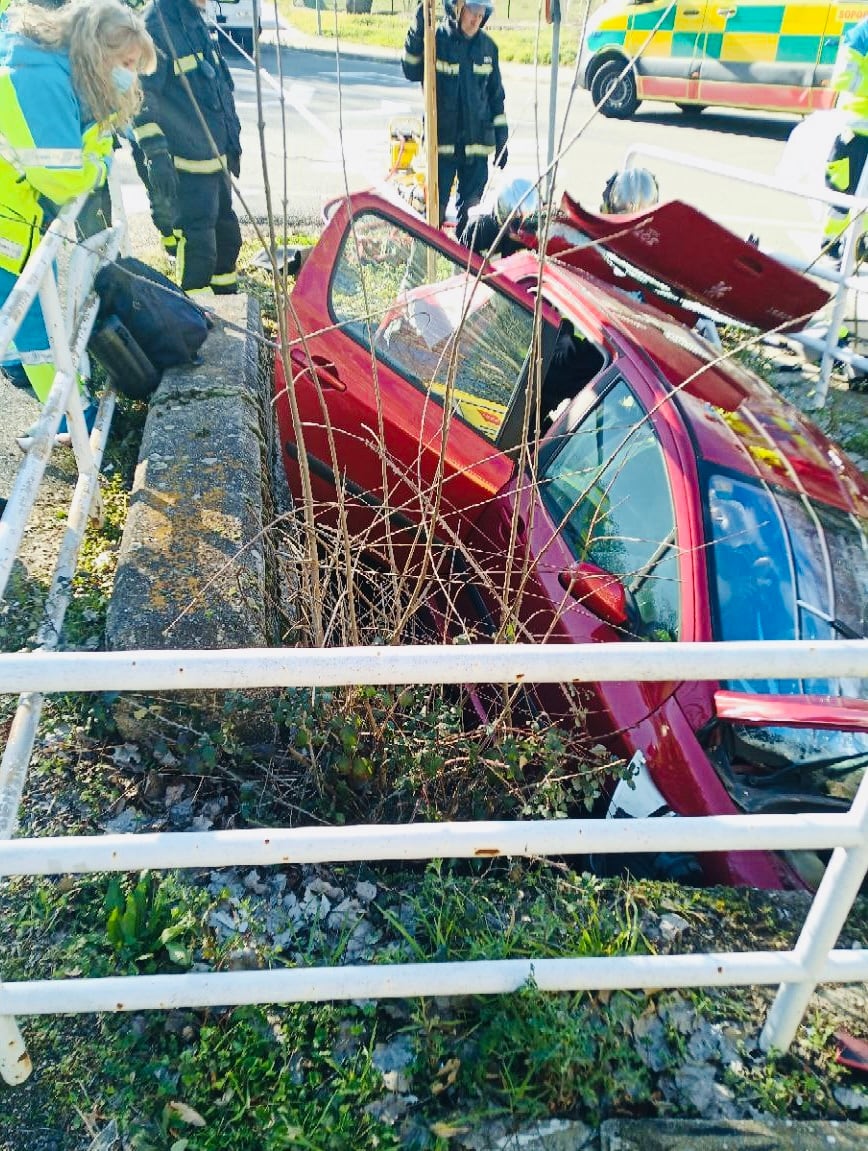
(842,765)
(838,625)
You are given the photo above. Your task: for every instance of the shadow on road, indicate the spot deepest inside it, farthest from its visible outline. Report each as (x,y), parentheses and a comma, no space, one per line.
(722,121)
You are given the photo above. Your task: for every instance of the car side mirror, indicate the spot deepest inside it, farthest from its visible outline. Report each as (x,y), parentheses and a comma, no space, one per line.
(597,590)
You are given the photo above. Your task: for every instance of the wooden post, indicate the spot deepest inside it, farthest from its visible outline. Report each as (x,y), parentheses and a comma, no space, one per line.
(431,181)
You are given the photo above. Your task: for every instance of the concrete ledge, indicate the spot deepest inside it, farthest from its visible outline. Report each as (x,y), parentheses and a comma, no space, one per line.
(192,569)
(764,1134)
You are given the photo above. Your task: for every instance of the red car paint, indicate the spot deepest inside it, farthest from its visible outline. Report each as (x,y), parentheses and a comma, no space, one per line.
(710,432)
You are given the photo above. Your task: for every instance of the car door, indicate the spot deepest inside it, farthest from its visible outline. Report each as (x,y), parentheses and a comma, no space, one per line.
(600,507)
(767,54)
(665,38)
(408,366)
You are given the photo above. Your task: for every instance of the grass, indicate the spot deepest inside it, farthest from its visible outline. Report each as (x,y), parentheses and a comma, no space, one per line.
(521,36)
(317,1076)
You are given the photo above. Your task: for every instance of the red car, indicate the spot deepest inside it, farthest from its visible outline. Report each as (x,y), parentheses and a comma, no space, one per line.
(646,491)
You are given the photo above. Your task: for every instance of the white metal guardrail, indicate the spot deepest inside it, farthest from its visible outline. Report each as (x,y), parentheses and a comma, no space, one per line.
(797,972)
(829,346)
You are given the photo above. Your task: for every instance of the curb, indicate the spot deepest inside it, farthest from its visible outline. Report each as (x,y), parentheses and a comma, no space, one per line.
(193,563)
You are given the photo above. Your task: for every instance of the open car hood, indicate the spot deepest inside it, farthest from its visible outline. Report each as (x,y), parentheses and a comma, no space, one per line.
(732,277)
(811,711)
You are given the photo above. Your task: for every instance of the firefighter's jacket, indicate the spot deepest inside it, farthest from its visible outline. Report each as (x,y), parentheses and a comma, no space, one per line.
(191,73)
(470,97)
(850,76)
(51,149)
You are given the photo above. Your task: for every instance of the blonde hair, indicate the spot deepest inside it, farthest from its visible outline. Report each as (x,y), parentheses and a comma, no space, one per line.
(96,34)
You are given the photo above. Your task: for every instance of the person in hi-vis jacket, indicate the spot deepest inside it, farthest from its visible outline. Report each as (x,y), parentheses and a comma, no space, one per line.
(850,150)
(69,77)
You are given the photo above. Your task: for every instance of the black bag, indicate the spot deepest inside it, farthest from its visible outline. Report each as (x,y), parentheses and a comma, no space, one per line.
(159,317)
(127,366)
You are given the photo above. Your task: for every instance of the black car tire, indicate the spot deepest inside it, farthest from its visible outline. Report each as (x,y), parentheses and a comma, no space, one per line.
(613,93)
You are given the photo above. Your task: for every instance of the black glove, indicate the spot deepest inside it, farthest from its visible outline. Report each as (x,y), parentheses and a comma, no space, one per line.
(163,189)
(233,163)
(162,177)
(501,157)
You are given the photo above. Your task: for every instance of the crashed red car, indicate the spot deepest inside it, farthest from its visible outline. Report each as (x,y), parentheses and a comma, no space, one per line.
(649,490)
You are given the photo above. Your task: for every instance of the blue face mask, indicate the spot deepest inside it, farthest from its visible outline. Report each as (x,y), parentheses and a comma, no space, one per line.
(123,78)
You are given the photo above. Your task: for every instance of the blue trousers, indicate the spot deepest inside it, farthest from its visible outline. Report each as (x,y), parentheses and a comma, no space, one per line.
(30,345)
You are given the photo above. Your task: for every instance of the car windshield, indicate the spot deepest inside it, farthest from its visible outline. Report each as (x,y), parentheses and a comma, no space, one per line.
(443,329)
(783,566)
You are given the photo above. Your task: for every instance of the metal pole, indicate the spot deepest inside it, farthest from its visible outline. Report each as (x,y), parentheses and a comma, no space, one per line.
(218,669)
(555,15)
(432,179)
(852,236)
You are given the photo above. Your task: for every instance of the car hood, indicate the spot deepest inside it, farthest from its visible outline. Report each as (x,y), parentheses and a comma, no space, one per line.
(838,713)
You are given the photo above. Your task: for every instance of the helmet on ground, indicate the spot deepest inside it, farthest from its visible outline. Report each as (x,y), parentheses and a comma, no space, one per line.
(630,190)
(518,199)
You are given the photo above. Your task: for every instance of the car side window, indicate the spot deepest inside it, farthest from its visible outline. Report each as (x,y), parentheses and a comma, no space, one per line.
(608,493)
(423,315)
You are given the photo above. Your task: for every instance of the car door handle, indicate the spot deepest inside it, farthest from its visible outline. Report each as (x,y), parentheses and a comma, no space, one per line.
(326,370)
(727,12)
(692,12)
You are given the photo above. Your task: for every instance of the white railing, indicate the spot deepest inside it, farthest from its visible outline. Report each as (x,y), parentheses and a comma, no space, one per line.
(797,972)
(828,346)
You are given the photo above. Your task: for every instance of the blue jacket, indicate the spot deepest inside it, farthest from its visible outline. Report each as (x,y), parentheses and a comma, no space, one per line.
(51,149)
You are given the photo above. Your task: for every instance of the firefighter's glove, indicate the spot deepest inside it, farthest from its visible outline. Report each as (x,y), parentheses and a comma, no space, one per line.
(233,163)
(163,187)
(502,156)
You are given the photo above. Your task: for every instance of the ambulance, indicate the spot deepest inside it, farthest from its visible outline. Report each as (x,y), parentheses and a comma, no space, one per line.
(757,54)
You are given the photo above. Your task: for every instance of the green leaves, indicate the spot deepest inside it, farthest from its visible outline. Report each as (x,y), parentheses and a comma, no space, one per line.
(142,921)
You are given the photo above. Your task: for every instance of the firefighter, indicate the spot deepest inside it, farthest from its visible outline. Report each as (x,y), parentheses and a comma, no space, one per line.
(471,122)
(190,136)
(849,152)
(68,77)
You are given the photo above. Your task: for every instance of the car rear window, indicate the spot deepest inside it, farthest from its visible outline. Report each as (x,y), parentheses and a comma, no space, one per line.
(426,317)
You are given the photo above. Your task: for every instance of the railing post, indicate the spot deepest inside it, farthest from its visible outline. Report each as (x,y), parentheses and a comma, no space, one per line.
(15,1065)
(835,896)
(852,236)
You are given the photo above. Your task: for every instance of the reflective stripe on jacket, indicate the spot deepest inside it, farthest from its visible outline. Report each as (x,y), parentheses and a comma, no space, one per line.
(50,149)
(850,75)
(470,96)
(191,73)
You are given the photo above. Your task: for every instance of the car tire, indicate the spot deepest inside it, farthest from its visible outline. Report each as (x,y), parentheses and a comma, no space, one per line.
(691,109)
(615,94)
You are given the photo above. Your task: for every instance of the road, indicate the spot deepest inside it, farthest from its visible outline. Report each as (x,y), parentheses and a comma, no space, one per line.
(336,137)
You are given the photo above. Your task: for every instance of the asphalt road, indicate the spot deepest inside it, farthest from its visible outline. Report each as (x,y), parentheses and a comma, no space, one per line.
(325,128)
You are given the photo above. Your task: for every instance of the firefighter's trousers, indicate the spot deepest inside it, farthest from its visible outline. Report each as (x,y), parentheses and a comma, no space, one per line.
(210,235)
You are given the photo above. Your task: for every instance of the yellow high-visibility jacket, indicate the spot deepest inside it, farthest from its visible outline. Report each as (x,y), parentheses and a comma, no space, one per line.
(51,149)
